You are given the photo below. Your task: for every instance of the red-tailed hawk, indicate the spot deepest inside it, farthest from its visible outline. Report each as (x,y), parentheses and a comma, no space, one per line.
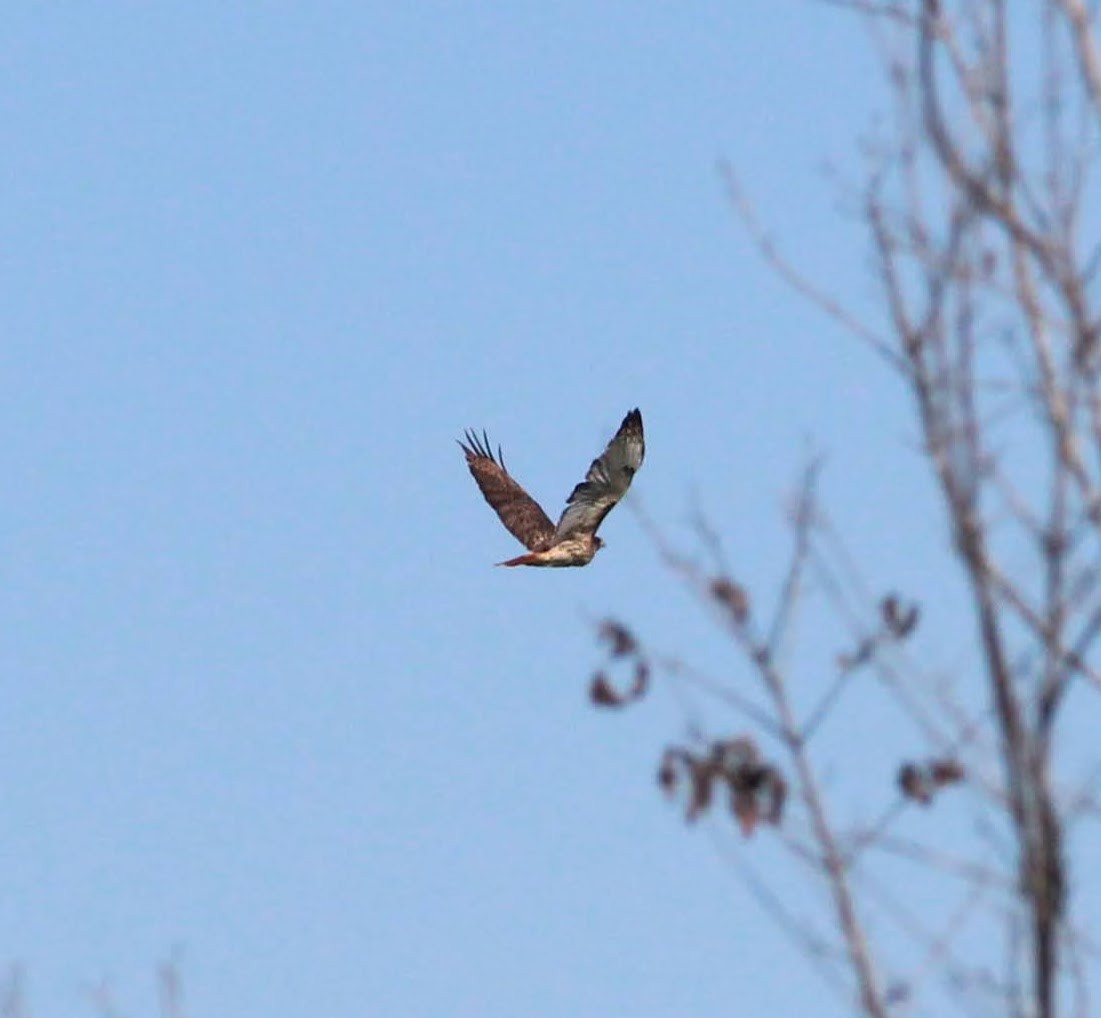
(573,542)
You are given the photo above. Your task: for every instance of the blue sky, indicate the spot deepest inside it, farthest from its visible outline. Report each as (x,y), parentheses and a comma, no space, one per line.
(266,701)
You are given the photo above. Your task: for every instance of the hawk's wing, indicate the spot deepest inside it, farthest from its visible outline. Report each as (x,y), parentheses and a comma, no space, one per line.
(607,481)
(519,512)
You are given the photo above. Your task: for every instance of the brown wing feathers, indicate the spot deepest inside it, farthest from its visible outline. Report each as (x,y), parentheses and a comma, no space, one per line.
(519,512)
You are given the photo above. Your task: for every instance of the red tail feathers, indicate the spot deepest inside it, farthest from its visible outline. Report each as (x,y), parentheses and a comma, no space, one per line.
(529,559)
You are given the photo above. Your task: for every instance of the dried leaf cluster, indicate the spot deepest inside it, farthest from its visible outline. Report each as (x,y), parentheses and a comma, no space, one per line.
(755,790)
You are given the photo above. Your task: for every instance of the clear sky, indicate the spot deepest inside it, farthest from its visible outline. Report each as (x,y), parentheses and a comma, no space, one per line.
(266,701)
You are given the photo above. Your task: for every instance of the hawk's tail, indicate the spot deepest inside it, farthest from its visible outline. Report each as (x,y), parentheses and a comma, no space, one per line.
(529,559)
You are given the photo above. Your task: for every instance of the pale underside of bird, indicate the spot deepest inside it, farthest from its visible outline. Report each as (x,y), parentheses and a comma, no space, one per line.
(572,541)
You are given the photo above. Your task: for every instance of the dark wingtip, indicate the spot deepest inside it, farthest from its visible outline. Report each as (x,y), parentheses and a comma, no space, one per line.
(477,447)
(471,446)
(467,445)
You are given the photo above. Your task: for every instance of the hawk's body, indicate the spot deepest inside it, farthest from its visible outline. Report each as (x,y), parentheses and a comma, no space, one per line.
(573,551)
(572,541)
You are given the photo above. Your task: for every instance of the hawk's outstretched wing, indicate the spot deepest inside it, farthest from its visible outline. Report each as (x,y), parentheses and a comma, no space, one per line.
(607,481)
(519,512)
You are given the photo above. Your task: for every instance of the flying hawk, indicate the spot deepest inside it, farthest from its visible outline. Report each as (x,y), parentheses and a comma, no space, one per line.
(573,542)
